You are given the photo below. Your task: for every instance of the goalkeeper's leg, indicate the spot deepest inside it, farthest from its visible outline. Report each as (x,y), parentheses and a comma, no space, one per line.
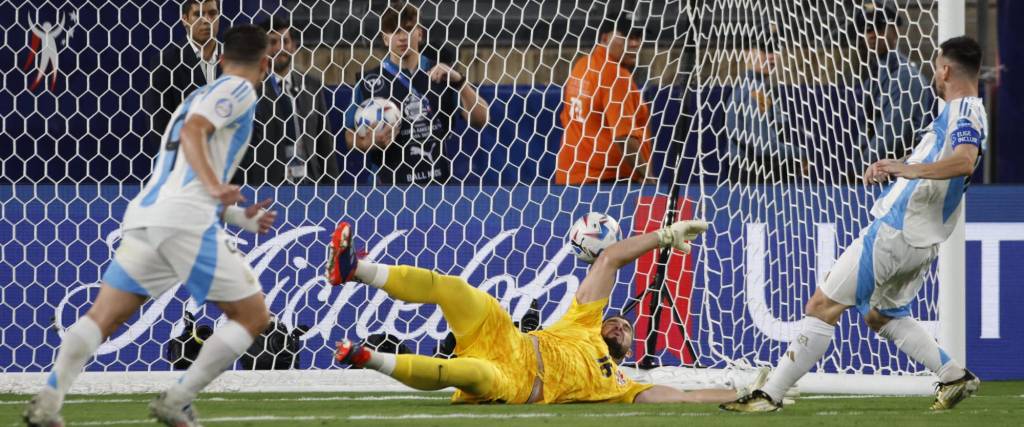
(464,306)
(472,375)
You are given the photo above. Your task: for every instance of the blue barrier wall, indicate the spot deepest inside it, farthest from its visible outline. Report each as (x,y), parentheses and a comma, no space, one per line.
(508,240)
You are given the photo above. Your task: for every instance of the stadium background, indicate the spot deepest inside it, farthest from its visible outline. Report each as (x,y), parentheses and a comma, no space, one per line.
(85,131)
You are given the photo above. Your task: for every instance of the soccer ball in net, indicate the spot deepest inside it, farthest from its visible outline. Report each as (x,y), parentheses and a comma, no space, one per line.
(373,112)
(591,234)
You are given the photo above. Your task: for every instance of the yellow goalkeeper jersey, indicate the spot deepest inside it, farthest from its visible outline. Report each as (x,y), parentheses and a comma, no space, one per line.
(577,366)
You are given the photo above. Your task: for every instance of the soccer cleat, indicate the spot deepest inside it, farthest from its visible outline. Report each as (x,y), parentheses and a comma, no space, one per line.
(341,263)
(758,401)
(348,353)
(759,381)
(44,410)
(173,415)
(948,395)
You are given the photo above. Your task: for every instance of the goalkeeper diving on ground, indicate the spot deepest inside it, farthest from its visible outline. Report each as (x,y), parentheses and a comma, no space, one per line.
(883,270)
(574,360)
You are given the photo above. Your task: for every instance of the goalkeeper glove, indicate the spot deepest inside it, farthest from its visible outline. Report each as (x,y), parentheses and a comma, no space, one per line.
(677,235)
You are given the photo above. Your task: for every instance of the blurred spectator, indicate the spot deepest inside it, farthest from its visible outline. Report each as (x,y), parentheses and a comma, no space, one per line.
(898,100)
(292,141)
(756,124)
(180,69)
(429,95)
(605,119)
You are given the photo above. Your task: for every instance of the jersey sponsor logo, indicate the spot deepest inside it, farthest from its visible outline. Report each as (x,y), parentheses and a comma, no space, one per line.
(224,107)
(415,107)
(373,82)
(576,109)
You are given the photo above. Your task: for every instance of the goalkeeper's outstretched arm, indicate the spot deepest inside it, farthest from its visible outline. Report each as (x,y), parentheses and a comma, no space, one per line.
(666,394)
(601,277)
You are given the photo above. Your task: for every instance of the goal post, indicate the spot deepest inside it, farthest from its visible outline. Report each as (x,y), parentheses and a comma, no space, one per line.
(952,252)
(769,155)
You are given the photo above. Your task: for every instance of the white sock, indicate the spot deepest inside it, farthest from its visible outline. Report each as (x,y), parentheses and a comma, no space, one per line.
(79,344)
(375,275)
(217,355)
(381,362)
(912,339)
(800,357)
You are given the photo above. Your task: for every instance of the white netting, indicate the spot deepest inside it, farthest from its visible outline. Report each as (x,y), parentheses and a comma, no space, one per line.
(77,142)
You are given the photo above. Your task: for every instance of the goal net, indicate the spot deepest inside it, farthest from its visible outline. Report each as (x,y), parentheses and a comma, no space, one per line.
(763,114)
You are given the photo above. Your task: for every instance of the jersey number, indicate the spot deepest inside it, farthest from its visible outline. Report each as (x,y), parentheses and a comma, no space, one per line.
(576,109)
(606,366)
(175,140)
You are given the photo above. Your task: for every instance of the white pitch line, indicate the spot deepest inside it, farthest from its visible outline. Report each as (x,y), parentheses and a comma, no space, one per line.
(526,415)
(327,398)
(232,399)
(447,416)
(262,418)
(271,418)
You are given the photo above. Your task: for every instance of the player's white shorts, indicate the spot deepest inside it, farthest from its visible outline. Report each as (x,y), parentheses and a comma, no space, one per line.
(879,270)
(152,260)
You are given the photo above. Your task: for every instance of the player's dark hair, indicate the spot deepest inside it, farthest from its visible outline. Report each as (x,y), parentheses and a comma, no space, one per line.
(623,23)
(965,52)
(399,15)
(616,350)
(245,44)
(616,316)
(274,23)
(187,4)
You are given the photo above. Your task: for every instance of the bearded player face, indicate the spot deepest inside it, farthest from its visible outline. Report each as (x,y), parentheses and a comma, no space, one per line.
(618,335)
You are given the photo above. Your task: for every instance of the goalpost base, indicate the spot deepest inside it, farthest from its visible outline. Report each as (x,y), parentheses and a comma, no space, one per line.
(363,380)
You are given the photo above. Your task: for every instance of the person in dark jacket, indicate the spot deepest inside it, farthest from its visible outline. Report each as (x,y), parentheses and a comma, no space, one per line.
(292,140)
(179,69)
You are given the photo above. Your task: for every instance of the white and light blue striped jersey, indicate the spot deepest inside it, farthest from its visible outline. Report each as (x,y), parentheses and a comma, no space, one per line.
(926,210)
(173,196)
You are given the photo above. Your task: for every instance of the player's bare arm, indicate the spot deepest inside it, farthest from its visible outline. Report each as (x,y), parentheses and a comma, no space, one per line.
(255,218)
(874,175)
(193,144)
(961,163)
(666,394)
(474,108)
(601,278)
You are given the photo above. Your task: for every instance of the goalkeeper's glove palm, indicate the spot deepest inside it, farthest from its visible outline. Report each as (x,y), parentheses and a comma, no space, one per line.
(677,235)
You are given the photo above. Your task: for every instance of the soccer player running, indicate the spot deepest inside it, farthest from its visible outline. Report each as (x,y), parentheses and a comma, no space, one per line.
(574,360)
(882,271)
(172,234)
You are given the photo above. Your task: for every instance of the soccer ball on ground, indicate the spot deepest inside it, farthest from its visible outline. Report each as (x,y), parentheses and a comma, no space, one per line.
(592,234)
(375,111)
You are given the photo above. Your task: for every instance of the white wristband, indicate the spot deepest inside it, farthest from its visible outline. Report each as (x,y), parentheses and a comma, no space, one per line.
(235,215)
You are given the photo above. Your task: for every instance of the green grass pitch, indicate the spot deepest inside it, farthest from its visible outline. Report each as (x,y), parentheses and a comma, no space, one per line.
(997,404)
